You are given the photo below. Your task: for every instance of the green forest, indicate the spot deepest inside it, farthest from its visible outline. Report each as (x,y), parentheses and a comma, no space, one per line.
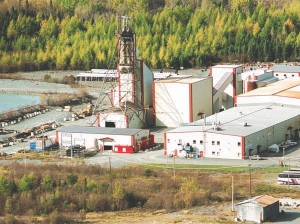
(81,34)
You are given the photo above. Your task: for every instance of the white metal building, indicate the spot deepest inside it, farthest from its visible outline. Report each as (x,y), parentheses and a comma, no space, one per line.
(285,71)
(102,138)
(258,209)
(121,117)
(181,100)
(283,92)
(236,133)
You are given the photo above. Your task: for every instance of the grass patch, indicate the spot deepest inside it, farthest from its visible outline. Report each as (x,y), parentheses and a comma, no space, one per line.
(202,168)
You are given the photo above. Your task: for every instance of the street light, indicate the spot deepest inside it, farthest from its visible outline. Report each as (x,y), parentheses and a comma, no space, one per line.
(250,180)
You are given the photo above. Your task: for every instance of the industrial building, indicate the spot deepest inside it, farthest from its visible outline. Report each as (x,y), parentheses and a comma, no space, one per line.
(116,139)
(284,92)
(236,133)
(285,71)
(258,209)
(181,100)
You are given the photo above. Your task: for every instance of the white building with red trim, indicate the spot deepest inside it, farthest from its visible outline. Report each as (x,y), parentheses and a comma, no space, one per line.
(181,100)
(236,133)
(119,140)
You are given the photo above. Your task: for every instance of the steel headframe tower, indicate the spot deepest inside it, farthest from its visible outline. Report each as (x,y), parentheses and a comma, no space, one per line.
(126,96)
(129,76)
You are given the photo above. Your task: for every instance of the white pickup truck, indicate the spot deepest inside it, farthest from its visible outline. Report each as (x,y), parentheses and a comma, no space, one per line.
(255,157)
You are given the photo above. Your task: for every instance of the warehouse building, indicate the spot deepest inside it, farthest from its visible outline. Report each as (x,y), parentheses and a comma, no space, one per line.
(181,100)
(258,209)
(236,133)
(283,92)
(116,139)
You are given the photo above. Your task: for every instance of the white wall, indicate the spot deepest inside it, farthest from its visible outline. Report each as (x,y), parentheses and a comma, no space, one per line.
(284,75)
(202,98)
(172,104)
(147,85)
(213,145)
(178,102)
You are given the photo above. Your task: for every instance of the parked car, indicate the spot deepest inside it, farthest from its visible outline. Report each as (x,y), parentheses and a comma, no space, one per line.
(255,157)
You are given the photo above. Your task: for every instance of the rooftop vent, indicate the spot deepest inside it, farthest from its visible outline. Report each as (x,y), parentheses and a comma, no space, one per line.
(243,124)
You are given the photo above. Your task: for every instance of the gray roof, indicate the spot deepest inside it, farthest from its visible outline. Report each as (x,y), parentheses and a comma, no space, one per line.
(99,130)
(232,121)
(285,68)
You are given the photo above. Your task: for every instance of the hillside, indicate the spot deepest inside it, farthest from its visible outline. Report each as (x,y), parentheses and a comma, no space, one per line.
(80,35)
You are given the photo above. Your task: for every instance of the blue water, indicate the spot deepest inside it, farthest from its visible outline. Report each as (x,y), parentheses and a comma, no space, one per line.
(15,101)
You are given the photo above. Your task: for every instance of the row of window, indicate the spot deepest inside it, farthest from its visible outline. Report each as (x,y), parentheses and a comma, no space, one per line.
(284,75)
(201,142)
(218,153)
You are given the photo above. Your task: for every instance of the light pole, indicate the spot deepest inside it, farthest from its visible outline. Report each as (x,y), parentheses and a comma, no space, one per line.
(109,165)
(24,155)
(250,180)
(283,157)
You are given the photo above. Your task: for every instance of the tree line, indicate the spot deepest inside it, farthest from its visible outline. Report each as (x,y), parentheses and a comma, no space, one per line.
(70,34)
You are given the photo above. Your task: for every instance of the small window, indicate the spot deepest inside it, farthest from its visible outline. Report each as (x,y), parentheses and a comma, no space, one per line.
(194,141)
(218,153)
(239,144)
(213,142)
(213,153)
(201,142)
(293,75)
(239,154)
(169,140)
(276,74)
(218,142)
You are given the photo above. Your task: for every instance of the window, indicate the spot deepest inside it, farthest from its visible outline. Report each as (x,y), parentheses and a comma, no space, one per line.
(239,154)
(218,153)
(276,74)
(213,142)
(213,153)
(218,142)
(292,75)
(168,140)
(194,141)
(201,142)
(239,144)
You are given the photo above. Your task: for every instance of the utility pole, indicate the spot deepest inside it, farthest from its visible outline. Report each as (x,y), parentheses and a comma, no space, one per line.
(250,180)
(232,208)
(174,168)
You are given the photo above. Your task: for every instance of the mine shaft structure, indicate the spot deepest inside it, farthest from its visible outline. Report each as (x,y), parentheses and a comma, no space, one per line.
(124,97)
(128,72)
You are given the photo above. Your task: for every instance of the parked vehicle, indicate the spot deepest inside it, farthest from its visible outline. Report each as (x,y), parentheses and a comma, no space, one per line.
(255,157)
